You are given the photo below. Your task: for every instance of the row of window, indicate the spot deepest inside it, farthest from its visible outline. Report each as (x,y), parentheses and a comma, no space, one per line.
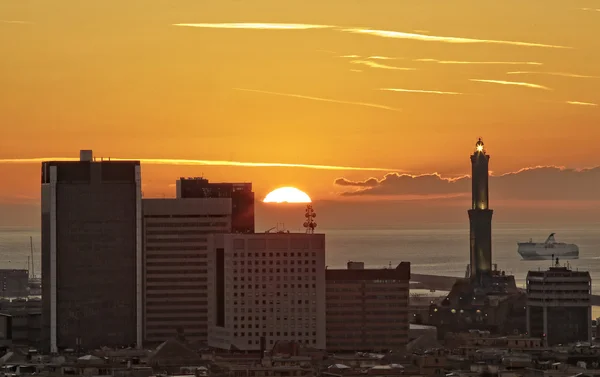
(175,279)
(150,224)
(172,256)
(271,255)
(175,287)
(278,286)
(173,295)
(278,270)
(177,319)
(176,240)
(175,264)
(175,248)
(276,278)
(277,262)
(260,310)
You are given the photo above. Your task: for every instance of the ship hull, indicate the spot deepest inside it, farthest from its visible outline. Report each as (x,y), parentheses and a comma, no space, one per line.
(536,251)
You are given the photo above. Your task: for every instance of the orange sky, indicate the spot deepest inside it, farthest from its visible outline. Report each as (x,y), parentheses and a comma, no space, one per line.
(120,78)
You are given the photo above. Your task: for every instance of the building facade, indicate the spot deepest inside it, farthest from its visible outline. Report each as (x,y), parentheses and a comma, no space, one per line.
(241,194)
(15,283)
(91,253)
(367,309)
(176,260)
(267,287)
(558,305)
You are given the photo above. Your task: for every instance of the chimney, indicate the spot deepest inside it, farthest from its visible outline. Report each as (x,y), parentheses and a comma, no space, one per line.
(85,155)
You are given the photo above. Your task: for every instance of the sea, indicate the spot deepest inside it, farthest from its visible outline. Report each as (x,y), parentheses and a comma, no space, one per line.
(441,249)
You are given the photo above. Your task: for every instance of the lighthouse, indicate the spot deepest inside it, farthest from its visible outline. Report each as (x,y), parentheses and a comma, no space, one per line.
(480,217)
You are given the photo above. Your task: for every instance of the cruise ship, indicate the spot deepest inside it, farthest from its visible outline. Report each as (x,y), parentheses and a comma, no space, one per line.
(547,250)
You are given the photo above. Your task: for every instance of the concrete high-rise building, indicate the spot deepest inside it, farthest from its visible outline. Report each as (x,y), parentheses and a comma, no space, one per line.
(559,305)
(91,253)
(267,286)
(241,194)
(480,217)
(176,263)
(367,309)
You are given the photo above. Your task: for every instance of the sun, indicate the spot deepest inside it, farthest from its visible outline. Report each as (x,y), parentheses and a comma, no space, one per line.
(287,195)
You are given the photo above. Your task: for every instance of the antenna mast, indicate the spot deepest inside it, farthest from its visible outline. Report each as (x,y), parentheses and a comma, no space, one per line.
(310,223)
(32,269)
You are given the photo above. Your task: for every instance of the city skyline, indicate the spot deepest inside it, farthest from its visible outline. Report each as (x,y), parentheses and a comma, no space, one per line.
(234,86)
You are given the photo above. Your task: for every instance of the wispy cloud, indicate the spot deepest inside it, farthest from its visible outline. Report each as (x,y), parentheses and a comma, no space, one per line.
(419,91)
(371,64)
(378,57)
(590,9)
(356,70)
(365,104)
(350,56)
(581,103)
(184,162)
(472,62)
(434,38)
(265,26)
(16,22)
(516,83)
(563,74)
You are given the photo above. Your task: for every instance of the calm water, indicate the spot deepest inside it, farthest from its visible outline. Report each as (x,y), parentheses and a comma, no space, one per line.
(441,249)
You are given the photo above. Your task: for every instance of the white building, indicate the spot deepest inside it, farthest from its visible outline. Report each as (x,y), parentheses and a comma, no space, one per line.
(175,264)
(267,285)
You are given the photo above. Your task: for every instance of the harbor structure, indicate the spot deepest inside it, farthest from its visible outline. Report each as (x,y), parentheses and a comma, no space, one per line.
(558,305)
(91,253)
(487,298)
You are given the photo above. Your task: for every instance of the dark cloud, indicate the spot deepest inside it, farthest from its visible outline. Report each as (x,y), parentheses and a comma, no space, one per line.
(371,182)
(537,183)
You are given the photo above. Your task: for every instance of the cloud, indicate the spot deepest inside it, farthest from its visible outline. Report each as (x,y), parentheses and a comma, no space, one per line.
(475,63)
(371,182)
(371,64)
(581,103)
(433,38)
(16,22)
(419,91)
(350,56)
(564,74)
(184,162)
(590,9)
(529,184)
(378,57)
(517,83)
(365,104)
(260,26)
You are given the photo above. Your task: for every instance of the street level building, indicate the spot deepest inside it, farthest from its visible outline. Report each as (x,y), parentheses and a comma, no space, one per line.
(367,309)
(91,253)
(558,305)
(266,288)
(176,260)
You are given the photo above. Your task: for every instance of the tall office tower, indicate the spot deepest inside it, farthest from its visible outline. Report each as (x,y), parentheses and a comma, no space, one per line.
(480,216)
(91,253)
(241,194)
(559,305)
(267,287)
(176,263)
(367,309)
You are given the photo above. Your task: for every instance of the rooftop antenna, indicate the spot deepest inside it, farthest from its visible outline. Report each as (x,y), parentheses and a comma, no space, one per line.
(310,223)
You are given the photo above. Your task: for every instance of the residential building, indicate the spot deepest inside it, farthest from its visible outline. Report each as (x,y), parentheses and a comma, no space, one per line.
(267,287)
(91,253)
(367,309)
(241,194)
(176,264)
(558,305)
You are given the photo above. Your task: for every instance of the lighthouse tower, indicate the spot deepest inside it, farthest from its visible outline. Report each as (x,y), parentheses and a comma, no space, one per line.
(480,217)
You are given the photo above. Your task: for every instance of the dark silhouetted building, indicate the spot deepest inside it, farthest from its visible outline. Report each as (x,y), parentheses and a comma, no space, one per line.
(91,253)
(367,309)
(486,299)
(176,258)
(241,194)
(558,305)
(14,283)
(480,216)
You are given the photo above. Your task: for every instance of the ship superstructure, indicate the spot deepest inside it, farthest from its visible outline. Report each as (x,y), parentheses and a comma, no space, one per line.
(548,249)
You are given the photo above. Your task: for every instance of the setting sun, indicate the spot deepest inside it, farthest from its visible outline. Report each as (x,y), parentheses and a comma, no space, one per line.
(287,195)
